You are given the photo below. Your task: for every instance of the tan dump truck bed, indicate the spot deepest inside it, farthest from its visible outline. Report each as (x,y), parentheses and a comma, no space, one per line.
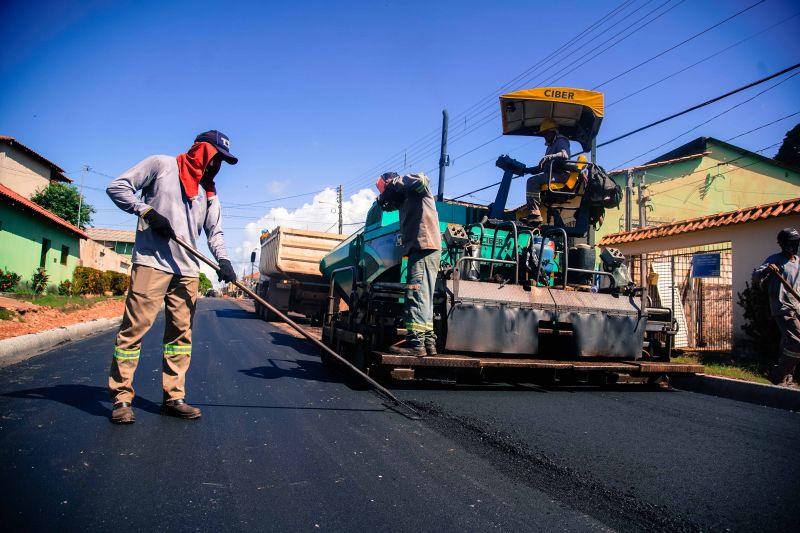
(290,251)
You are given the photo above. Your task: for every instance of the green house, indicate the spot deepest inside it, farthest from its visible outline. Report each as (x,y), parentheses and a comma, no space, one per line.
(33,237)
(703,177)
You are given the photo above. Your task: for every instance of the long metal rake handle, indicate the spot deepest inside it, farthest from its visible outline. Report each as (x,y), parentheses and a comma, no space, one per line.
(377,386)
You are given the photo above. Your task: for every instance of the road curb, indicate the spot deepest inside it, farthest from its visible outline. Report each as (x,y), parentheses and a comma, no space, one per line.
(744,391)
(18,349)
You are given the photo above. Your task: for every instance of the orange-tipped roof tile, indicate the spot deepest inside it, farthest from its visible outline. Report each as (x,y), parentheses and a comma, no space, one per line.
(15,198)
(763,211)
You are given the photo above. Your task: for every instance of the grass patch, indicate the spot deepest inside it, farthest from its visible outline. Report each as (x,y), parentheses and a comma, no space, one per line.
(723,364)
(66,304)
(5,314)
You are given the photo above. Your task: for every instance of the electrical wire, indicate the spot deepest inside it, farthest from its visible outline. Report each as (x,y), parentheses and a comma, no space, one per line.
(699,106)
(728,110)
(715,54)
(678,45)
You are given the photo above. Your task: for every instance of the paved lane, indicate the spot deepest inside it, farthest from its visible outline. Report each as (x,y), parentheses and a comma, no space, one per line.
(281,446)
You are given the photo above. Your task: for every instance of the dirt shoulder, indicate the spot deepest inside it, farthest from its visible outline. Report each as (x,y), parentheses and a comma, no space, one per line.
(25,317)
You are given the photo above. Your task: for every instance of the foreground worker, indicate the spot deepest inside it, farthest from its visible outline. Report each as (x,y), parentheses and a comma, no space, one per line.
(178,198)
(557,149)
(422,243)
(783,306)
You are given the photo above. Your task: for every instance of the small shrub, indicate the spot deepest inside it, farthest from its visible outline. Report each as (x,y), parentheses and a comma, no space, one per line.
(52,289)
(116,282)
(65,288)
(39,280)
(759,324)
(8,280)
(87,280)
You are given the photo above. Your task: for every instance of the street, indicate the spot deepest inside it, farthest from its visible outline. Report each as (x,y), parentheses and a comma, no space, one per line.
(284,445)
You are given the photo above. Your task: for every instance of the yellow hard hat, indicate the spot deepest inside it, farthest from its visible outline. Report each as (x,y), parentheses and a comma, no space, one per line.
(547,124)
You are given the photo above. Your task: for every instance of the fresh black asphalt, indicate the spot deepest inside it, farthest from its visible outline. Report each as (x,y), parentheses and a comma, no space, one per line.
(284,445)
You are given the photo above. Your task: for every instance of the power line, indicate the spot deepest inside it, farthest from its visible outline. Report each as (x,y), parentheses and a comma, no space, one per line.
(490,116)
(678,45)
(701,105)
(559,50)
(709,120)
(661,121)
(715,54)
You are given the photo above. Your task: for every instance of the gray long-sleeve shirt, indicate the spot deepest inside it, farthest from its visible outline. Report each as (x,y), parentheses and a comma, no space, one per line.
(158,181)
(781,303)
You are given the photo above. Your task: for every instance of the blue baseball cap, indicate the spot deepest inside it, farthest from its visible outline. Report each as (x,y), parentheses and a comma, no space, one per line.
(221,142)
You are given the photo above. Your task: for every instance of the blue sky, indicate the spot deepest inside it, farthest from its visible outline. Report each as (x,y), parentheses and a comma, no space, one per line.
(314,94)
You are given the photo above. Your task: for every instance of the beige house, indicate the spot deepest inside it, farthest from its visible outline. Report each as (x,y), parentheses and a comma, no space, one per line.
(24,171)
(705,306)
(96,255)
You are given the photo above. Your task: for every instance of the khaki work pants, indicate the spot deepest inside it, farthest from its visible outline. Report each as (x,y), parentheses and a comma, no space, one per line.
(149,288)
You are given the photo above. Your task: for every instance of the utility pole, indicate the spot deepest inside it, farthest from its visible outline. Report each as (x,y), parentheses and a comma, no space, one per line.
(443,154)
(628,200)
(84,170)
(642,201)
(341,216)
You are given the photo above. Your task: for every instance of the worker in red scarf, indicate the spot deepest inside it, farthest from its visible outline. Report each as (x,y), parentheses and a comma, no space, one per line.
(176,197)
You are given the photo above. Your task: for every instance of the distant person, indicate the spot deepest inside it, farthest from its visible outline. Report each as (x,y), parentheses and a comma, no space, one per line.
(422,243)
(783,306)
(177,198)
(557,150)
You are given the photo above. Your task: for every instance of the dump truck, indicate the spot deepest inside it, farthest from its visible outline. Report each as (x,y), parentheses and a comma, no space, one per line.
(510,300)
(290,278)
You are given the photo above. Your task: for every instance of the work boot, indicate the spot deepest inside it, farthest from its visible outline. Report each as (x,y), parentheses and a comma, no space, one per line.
(406,348)
(122,413)
(180,409)
(430,348)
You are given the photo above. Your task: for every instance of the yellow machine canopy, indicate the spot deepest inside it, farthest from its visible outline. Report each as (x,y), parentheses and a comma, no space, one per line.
(577,112)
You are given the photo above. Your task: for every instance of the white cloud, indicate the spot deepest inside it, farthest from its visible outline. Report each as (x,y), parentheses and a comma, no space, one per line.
(319,215)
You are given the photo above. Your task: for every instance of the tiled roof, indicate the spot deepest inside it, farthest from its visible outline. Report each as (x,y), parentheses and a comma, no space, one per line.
(748,214)
(11,141)
(14,198)
(114,235)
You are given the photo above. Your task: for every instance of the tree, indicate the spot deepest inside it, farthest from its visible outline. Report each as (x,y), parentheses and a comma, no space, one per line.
(62,199)
(205,283)
(789,151)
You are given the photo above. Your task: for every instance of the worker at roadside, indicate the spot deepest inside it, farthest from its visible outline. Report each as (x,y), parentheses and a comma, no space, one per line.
(557,149)
(784,308)
(177,198)
(422,243)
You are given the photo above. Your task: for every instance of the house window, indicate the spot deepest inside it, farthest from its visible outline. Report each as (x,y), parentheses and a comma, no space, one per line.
(64,254)
(45,249)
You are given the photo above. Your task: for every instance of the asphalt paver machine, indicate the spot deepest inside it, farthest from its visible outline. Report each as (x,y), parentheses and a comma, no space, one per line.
(512,302)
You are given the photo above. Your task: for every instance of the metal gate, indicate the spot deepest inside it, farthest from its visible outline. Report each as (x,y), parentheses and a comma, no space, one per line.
(701,301)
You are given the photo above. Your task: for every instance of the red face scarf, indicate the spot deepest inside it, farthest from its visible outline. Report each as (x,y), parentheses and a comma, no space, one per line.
(191,167)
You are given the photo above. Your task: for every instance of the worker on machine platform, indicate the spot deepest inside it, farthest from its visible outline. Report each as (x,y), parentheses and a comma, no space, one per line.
(178,198)
(557,149)
(783,306)
(422,243)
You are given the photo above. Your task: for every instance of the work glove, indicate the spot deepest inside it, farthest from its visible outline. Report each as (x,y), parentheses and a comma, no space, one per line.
(159,223)
(226,272)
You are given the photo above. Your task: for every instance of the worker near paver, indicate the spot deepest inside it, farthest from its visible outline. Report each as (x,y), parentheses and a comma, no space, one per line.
(422,243)
(557,150)
(784,308)
(177,198)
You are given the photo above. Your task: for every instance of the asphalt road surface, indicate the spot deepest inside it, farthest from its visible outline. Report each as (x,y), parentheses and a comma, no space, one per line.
(284,445)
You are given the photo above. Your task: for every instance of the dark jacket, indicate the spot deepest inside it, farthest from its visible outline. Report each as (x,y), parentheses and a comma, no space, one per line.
(419,221)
